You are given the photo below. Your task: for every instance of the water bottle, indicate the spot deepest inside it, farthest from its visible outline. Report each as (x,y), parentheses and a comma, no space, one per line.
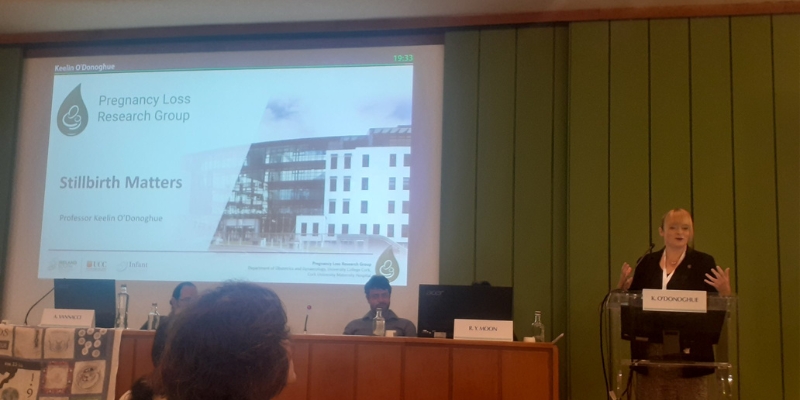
(378,323)
(122,308)
(153,318)
(538,327)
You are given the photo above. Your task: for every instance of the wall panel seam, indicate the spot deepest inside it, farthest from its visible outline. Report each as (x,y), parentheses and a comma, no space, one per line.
(477,163)
(514,159)
(691,125)
(552,179)
(777,201)
(608,157)
(649,135)
(733,187)
(567,253)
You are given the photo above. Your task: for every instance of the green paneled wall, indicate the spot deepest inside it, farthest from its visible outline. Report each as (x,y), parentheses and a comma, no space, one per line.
(10,79)
(504,168)
(580,137)
(494,225)
(533,160)
(459,158)
(629,144)
(712,146)
(758,280)
(670,131)
(559,196)
(786,64)
(588,275)
(539,179)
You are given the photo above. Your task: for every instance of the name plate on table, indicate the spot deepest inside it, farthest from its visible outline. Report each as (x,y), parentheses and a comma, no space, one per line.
(694,301)
(479,329)
(68,318)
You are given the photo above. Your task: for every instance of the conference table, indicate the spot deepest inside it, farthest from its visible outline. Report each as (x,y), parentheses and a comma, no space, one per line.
(393,368)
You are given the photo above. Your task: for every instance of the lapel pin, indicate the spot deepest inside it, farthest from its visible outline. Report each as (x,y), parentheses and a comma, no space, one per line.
(689,266)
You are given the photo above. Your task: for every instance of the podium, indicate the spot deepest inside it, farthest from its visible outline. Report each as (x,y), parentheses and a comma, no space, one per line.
(653,355)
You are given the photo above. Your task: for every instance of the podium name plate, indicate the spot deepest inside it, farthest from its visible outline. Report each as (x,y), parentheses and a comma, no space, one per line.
(479,329)
(694,301)
(52,317)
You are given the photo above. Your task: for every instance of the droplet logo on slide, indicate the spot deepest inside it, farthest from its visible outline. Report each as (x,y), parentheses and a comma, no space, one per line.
(72,116)
(387,265)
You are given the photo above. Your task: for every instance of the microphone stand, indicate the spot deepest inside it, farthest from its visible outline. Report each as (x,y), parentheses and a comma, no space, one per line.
(37,302)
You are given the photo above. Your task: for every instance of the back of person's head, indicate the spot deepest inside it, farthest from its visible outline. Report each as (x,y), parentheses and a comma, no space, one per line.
(377,282)
(141,390)
(176,293)
(229,344)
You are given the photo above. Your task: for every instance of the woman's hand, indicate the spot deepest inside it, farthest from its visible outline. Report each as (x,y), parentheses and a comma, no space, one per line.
(625,277)
(720,281)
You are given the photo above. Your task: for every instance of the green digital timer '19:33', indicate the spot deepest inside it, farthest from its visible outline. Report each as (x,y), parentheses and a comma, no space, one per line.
(403,58)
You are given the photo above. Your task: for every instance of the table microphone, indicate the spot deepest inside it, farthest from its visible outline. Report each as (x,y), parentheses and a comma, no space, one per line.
(305,325)
(649,249)
(37,302)
(638,261)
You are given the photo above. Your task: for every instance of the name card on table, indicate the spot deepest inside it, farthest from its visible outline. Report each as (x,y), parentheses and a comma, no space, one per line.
(674,300)
(68,318)
(479,329)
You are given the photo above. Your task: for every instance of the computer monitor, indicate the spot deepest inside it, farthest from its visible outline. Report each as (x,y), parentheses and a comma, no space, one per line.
(440,305)
(88,294)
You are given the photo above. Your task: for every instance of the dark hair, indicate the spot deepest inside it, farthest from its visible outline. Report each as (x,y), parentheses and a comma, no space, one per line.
(141,390)
(229,344)
(176,294)
(377,282)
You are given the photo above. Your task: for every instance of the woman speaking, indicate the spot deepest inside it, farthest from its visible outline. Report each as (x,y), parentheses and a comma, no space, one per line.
(675,267)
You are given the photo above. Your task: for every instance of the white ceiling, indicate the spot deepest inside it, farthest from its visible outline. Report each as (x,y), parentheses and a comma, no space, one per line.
(26,16)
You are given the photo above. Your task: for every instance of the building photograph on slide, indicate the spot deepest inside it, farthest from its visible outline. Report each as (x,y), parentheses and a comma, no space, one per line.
(296,196)
(323,195)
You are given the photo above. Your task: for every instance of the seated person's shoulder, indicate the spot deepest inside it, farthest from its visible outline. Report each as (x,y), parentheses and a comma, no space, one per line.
(357,326)
(401,326)
(409,329)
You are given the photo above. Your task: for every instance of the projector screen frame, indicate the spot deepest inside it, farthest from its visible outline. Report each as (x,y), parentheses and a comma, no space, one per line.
(352,292)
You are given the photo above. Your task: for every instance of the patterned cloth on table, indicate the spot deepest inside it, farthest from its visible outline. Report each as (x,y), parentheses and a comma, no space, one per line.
(58,363)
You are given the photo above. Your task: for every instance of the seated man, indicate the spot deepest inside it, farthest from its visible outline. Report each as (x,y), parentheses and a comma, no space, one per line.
(183,295)
(379,295)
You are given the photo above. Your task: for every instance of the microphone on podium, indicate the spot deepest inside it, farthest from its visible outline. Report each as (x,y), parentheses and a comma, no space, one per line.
(638,262)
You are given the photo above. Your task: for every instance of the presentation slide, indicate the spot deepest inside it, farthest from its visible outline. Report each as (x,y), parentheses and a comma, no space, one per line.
(292,166)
